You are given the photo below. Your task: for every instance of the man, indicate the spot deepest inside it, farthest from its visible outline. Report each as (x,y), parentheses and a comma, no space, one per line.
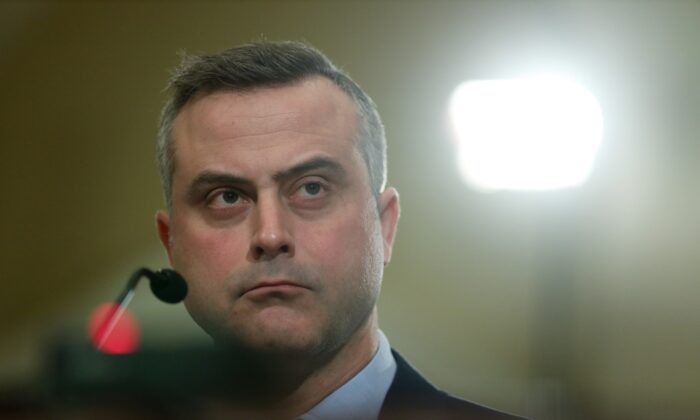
(273,167)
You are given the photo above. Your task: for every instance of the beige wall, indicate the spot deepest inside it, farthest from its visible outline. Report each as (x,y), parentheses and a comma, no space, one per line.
(544,304)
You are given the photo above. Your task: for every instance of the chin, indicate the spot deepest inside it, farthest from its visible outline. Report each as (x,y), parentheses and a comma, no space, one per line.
(286,335)
(289,336)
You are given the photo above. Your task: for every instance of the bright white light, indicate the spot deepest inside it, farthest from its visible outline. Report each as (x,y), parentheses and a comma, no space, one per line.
(534,133)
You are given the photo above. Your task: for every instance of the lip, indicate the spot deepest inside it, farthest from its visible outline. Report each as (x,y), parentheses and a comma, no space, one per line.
(279,286)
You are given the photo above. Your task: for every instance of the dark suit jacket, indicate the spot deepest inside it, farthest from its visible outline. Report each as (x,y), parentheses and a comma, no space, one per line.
(411,396)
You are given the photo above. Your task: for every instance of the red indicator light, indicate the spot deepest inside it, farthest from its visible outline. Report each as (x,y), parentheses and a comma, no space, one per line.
(113,330)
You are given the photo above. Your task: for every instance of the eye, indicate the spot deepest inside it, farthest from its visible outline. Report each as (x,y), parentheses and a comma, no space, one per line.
(230,197)
(224,198)
(312,188)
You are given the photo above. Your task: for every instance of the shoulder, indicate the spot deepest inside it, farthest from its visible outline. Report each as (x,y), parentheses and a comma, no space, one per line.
(412,396)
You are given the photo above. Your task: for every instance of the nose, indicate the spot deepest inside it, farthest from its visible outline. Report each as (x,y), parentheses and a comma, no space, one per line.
(271,237)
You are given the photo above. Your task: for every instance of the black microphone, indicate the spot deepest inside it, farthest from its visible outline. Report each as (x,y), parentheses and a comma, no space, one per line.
(166,284)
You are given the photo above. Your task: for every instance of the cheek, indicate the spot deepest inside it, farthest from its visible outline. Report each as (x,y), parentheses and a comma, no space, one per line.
(341,246)
(208,253)
(205,257)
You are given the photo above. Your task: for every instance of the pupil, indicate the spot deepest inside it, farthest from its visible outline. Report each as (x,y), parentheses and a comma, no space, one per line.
(312,188)
(230,196)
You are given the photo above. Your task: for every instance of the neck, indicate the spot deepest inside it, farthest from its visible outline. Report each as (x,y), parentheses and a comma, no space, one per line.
(299,383)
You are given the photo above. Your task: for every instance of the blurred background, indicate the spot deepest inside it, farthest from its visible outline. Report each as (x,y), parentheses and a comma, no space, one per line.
(577,303)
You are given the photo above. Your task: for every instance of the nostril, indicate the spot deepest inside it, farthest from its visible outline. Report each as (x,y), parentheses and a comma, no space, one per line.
(260,252)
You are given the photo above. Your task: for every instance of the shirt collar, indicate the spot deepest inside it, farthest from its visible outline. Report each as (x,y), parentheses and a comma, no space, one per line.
(362,396)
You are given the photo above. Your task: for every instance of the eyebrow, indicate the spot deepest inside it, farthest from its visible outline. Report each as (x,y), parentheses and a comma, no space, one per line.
(210,178)
(313,164)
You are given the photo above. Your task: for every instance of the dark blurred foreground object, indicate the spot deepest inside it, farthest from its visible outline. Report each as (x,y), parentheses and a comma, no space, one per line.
(78,374)
(79,382)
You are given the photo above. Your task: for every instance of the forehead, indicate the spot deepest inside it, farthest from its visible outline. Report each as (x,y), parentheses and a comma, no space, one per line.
(314,106)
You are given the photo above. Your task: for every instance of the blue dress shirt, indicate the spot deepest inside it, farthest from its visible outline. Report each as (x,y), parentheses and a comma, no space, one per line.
(361,397)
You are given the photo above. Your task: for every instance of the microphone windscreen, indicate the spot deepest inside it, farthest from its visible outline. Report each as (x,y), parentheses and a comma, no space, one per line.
(169,286)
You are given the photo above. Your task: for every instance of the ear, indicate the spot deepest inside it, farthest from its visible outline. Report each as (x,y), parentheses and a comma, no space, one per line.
(163,227)
(389,211)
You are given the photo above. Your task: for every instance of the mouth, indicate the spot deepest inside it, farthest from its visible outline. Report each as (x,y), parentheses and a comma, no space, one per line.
(275,286)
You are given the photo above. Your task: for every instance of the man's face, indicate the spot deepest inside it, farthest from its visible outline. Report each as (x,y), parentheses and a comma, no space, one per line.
(273,223)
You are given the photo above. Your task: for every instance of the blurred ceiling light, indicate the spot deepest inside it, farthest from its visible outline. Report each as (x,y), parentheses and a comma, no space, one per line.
(536,133)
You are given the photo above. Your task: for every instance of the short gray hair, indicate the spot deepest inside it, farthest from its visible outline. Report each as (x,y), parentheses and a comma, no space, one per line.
(265,64)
